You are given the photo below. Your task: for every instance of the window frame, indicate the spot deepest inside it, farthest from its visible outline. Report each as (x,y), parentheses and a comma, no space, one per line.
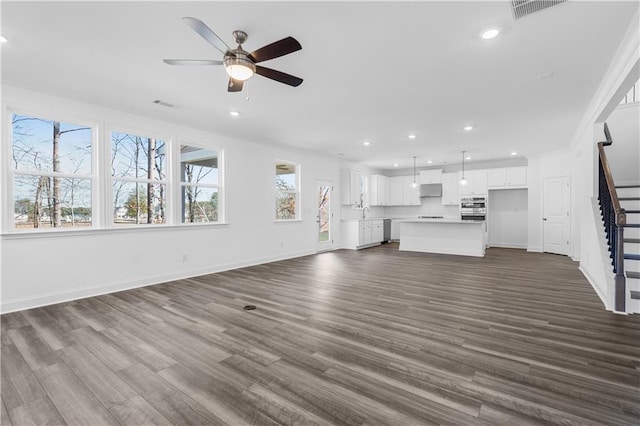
(179,184)
(297,192)
(109,179)
(8,224)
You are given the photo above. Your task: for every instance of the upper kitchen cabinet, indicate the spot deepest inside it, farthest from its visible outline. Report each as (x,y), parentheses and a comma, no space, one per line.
(377,190)
(410,193)
(400,191)
(351,185)
(476,183)
(430,176)
(450,189)
(508,177)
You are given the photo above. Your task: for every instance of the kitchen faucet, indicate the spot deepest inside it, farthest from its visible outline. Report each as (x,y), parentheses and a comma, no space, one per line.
(364,212)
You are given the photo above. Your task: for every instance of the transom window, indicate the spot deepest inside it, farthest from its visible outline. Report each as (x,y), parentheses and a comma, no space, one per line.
(52,173)
(287,192)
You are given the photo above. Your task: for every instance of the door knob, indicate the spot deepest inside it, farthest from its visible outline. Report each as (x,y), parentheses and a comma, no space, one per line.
(544,218)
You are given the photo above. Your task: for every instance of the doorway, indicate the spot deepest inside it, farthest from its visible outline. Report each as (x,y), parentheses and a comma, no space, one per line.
(556,219)
(324,218)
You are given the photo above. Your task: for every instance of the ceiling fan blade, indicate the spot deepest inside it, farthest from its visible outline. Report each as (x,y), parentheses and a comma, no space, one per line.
(279,76)
(207,34)
(275,50)
(235,85)
(191,62)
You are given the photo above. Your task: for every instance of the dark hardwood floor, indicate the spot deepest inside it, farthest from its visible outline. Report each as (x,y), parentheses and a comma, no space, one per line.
(375,337)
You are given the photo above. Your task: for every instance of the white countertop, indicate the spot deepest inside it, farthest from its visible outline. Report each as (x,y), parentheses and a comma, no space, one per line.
(446,220)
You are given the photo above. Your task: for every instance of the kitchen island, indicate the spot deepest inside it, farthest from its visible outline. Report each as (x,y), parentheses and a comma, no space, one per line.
(446,236)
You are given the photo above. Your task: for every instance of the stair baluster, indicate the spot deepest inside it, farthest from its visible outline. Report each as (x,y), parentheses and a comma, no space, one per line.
(615,219)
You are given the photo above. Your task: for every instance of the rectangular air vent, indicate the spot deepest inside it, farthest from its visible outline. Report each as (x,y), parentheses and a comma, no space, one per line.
(522,8)
(163,103)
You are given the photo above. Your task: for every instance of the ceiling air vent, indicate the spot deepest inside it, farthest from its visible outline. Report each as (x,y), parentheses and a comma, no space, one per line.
(163,103)
(522,8)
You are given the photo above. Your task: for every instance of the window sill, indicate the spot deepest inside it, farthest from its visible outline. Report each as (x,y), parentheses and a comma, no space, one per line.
(105,231)
(287,220)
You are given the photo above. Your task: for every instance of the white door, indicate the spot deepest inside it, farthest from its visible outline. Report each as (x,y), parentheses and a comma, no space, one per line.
(556,216)
(324,218)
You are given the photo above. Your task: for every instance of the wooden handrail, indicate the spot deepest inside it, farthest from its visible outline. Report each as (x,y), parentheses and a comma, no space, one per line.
(614,236)
(621,216)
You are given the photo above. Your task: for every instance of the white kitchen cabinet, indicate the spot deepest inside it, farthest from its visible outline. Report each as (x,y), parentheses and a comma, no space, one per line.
(377,190)
(508,177)
(394,191)
(410,194)
(476,183)
(359,234)
(377,231)
(351,187)
(430,176)
(450,189)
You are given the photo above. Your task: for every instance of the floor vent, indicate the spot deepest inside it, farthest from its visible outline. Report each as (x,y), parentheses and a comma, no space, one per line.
(249,307)
(522,8)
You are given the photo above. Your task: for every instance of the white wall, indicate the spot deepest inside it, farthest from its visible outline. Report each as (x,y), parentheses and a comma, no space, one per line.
(624,154)
(507,218)
(48,268)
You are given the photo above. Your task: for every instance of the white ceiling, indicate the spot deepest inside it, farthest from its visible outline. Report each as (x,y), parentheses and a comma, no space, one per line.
(372,71)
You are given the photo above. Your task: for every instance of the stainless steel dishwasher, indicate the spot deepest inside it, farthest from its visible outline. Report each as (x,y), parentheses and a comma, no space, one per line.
(386,228)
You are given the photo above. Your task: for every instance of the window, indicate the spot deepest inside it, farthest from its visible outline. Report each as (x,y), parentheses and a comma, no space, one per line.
(138,168)
(287,195)
(52,173)
(200,185)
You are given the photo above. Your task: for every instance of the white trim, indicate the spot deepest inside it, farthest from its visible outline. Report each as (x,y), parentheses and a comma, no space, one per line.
(14,305)
(591,281)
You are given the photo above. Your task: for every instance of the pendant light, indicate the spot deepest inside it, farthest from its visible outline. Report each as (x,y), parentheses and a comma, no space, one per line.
(463,181)
(414,184)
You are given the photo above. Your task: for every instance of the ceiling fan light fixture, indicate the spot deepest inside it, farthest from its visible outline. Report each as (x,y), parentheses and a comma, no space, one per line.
(239,67)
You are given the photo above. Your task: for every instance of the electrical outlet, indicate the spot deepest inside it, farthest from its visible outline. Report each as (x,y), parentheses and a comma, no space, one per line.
(185,258)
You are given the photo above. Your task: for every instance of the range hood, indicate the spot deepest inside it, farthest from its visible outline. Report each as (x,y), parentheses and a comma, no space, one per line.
(431,190)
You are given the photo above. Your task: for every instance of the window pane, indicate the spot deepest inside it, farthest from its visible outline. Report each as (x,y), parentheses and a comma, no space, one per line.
(285,205)
(199,205)
(138,203)
(137,157)
(285,176)
(46,145)
(35,202)
(198,165)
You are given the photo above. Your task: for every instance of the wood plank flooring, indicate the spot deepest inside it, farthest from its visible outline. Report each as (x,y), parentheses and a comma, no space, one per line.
(371,337)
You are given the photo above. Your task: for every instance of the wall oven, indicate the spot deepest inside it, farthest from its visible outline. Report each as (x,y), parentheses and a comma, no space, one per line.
(473,208)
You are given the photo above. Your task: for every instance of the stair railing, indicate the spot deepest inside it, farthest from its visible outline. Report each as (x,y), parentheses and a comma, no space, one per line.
(615,218)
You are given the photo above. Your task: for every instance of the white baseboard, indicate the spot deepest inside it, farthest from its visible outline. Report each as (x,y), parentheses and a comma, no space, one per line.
(7,306)
(589,278)
(508,245)
(534,249)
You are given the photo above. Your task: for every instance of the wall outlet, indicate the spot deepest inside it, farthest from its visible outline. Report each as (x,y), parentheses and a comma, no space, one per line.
(185,258)
(281,244)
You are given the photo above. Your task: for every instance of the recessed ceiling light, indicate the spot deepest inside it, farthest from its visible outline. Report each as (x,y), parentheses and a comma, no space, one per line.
(429,162)
(514,153)
(490,33)
(234,113)
(395,164)
(366,143)
(467,128)
(412,136)
(468,157)
(3,39)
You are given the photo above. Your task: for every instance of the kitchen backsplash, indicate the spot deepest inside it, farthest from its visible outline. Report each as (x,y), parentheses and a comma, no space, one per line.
(429,207)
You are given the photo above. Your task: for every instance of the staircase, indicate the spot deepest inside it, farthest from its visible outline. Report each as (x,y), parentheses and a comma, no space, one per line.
(620,210)
(629,197)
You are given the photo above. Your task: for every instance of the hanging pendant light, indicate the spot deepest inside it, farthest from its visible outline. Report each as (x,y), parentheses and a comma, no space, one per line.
(414,184)
(463,181)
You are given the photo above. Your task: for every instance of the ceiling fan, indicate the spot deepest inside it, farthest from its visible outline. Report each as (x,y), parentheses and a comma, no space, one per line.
(240,64)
